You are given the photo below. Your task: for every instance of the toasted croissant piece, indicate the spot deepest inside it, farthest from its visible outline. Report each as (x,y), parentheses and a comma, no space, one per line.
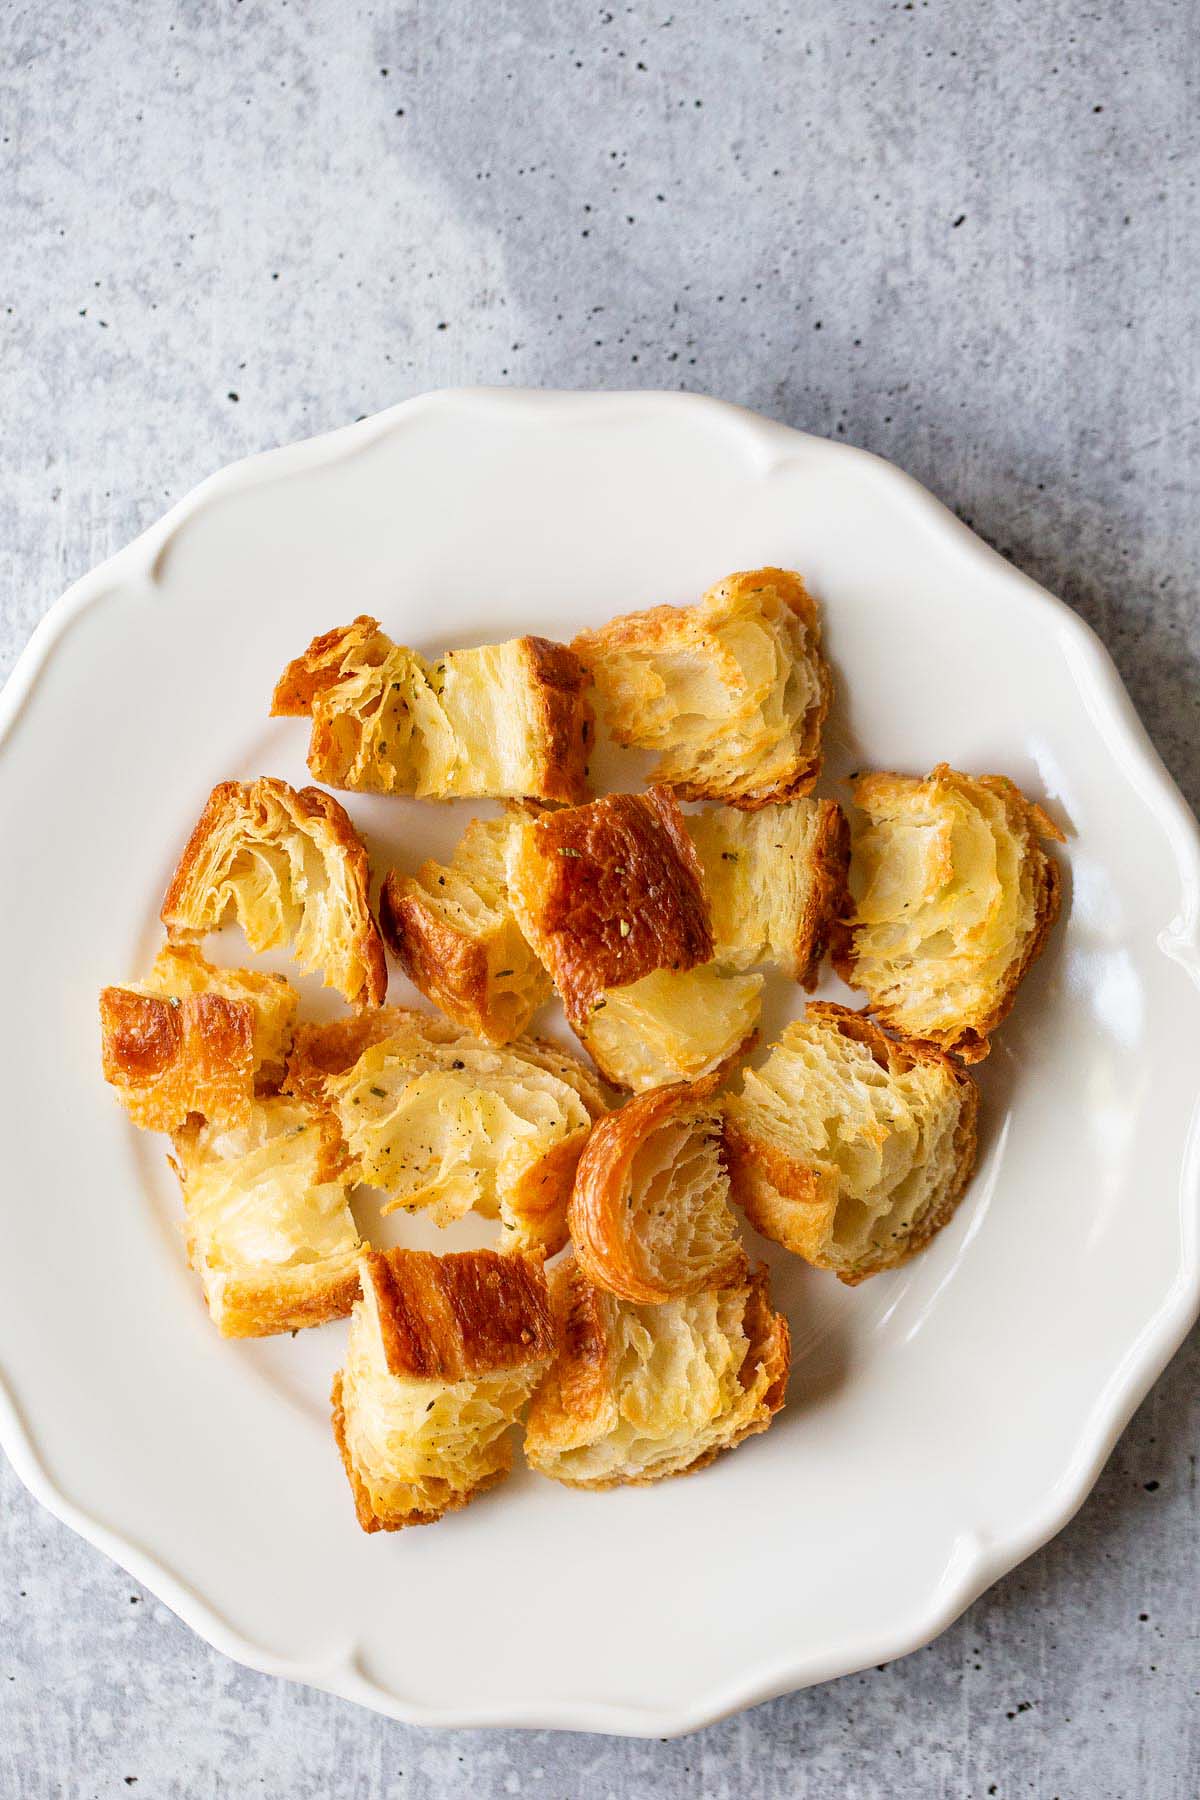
(321,1051)
(181,969)
(290,865)
(672,1027)
(192,1038)
(952,898)
(608,892)
(453,1127)
(775,881)
(269,1228)
(442,1355)
(649,1213)
(506,720)
(848,1147)
(455,936)
(732,691)
(637,1393)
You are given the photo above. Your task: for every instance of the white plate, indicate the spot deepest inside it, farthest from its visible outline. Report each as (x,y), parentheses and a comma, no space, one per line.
(944,1419)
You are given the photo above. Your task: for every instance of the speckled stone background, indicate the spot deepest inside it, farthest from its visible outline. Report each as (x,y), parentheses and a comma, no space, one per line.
(963,233)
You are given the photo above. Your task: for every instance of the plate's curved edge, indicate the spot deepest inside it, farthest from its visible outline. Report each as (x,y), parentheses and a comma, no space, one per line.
(769,444)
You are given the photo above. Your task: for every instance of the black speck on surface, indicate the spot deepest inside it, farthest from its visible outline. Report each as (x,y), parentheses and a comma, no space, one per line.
(231,395)
(1151,1487)
(961,220)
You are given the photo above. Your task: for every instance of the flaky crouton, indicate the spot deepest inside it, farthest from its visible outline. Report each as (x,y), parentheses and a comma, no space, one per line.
(649,1214)
(269,1228)
(775,881)
(637,1393)
(506,720)
(451,1128)
(672,1027)
(442,1355)
(454,933)
(290,866)
(732,692)
(192,1038)
(608,892)
(848,1147)
(952,898)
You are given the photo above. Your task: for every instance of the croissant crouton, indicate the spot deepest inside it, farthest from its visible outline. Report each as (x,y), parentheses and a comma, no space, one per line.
(848,1147)
(320,1051)
(637,1393)
(442,1355)
(775,881)
(952,898)
(192,1038)
(672,1027)
(451,1128)
(455,936)
(607,893)
(506,720)
(732,691)
(649,1214)
(269,1228)
(291,867)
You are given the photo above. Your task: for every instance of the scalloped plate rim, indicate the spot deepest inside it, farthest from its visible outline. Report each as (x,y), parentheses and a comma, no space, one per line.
(973,1565)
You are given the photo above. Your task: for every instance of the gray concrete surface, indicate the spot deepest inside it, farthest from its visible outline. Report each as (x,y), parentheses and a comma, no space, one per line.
(962,234)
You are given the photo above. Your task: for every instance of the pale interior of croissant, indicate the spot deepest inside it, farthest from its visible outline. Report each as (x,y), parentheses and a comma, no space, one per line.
(382,728)
(945,899)
(673,1025)
(260,1201)
(674,1392)
(419,1447)
(679,1214)
(180,969)
(470,895)
(760,870)
(457,1128)
(727,696)
(884,1143)
(469,724)
(288,880)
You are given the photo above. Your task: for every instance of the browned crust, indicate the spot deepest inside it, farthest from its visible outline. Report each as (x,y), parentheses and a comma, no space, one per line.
(364,1510)
(251,1308)
(319,1052)
(171,1057)
(827,896)
(447,965)
(445,1318)
(612,891)
(599,1216)
(971,1043)
(582,1374)
(567,721)
(756,1167)
(322,666)
(184,908)
(539,1198)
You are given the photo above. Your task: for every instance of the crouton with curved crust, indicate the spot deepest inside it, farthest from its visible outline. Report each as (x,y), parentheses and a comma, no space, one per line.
(671,1027)
(193,1038)
(775,880)
(608,892)
(269,1227)
(732,692)
(290,866)
(637,1393)
(442,1355)
(333,1046)
(451,1128)
(454,933)
(952,899)
(848,1147)
(507,720)
(649,1215)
